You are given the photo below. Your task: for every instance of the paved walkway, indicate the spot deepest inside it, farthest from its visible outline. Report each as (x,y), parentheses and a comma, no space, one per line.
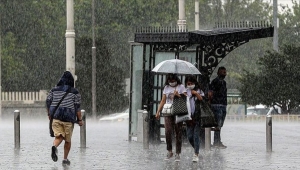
(108,149)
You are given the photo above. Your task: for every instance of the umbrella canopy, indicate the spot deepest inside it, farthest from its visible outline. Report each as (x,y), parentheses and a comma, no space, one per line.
(176,66)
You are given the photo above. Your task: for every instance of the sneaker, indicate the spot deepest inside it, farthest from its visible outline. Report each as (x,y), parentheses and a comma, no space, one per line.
(169,155)
(195,158)
(177,158)
(66,162)
(54,153)
(220,145)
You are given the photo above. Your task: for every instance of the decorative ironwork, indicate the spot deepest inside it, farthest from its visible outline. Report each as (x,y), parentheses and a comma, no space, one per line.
(214,53)
(159,29)
(170,47)
(243,24)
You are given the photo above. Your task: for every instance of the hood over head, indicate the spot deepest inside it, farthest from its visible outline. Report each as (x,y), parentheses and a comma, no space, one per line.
(66,79)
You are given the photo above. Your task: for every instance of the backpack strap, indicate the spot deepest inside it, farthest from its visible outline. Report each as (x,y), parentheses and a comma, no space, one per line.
(61,100)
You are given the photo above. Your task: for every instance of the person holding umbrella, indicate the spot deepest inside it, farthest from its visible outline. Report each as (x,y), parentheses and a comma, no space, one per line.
(172,87)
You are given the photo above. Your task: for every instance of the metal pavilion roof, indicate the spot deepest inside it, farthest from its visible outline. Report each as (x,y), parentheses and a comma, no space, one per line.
(217,35)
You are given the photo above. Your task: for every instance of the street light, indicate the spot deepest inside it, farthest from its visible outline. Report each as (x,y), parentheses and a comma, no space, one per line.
(94,107)
(0,75)
(181,21)
(197,15)
(70,39)
(275,23)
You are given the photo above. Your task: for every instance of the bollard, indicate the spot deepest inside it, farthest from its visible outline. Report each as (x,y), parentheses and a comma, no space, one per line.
(83,130)
(17,128)
(145,129)
(269,133)
(207,138)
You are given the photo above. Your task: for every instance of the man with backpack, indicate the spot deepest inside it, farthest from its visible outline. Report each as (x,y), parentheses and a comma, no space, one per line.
(63,105)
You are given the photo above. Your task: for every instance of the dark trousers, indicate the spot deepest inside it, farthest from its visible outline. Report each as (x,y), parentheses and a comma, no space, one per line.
(170,125)
(220,115)
(193,134)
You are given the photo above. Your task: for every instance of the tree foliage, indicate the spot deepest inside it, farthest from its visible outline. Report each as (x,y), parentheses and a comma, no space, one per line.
(110,89)
(277,82)
(32,36)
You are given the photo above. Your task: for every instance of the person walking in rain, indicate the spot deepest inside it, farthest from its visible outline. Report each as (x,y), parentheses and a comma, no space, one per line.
(217,95)
(172,87)
(193,126)
(67,113)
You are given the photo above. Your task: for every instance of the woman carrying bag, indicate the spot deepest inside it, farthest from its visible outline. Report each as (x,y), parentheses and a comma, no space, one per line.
(193,126)
(173,87)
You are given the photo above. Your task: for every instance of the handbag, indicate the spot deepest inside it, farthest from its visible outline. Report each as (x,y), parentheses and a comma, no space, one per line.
(167,110)
(51,116)
(182,118)
(179,105)
(207,117)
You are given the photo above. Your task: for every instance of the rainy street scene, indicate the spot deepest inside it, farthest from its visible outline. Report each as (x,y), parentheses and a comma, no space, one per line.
(137,84)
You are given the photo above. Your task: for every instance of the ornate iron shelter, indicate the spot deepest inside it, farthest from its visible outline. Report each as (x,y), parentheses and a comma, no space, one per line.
(205,48)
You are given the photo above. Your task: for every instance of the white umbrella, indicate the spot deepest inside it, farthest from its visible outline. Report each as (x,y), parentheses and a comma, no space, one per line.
(176,66)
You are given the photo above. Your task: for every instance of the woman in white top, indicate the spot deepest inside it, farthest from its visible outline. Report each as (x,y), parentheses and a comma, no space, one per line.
(172,87)
(193,126)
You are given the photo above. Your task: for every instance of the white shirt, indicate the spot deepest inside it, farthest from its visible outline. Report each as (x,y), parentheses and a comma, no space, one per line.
(169,92)
(193,98)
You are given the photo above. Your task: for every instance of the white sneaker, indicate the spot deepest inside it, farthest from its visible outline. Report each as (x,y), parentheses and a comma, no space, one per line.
(177,158)
(195,158)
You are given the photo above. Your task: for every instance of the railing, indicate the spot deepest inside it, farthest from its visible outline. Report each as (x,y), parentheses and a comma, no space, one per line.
(278,118)
(24,96)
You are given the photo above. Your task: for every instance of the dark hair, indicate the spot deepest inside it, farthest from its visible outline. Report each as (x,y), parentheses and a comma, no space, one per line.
(172,76)
(192,79)
(221,68)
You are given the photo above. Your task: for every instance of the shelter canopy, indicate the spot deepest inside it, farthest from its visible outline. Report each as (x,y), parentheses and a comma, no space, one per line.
(202,37)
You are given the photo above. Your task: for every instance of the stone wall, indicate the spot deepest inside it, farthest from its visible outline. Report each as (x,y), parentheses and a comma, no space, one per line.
(34,109)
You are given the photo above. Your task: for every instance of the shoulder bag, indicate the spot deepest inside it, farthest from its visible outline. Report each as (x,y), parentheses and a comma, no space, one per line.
(167,110)
(51,116)
(207,117)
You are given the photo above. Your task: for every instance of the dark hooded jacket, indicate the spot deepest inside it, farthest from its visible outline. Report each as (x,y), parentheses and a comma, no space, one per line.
(71,103)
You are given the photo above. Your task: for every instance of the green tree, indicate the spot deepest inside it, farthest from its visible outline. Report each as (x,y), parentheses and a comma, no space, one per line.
(289,25)
(34,28)
(277,82)
(34,33)
(110,79)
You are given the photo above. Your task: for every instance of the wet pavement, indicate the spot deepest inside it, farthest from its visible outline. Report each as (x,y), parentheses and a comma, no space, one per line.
(108,149)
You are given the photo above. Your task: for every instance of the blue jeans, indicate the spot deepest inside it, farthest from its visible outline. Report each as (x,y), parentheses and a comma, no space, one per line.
(220,114)
(193,134)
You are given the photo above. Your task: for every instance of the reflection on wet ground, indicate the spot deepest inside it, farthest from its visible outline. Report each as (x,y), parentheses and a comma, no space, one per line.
(108,148)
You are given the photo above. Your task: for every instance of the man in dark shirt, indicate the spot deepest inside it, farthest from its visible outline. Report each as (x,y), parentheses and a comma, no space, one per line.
(218,99)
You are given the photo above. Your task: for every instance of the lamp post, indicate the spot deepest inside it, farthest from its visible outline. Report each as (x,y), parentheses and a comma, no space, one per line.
(275,23)
(181,21)
(94,107)
(70,39)
(196,14)
(0,76)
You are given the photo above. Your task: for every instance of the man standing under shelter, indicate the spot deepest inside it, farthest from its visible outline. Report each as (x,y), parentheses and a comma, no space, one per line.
(218,99)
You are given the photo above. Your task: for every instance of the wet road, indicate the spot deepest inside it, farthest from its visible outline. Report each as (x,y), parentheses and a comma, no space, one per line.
(108,148)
